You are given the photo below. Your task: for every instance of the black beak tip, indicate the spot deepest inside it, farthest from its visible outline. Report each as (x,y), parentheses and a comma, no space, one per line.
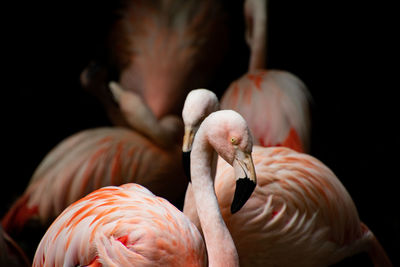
(243,191)
(186,164)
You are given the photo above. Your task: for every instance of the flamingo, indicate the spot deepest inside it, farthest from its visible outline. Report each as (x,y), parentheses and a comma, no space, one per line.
(276,106)
(299,214)
(128,225)
(161,49)
(281,96)
(98,157)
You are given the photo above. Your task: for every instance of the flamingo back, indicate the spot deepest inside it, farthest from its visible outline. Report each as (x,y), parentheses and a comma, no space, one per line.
(275,105)
(121,226)
(299,212)
(90,160)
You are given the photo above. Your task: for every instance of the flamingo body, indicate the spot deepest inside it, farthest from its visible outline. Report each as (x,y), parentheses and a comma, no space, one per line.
(275,105)
(119,226)
(300,210)
(90,160)
(299,214)
(163,48)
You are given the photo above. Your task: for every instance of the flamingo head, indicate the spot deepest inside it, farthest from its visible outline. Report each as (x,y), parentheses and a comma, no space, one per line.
(199,104)
(232,140)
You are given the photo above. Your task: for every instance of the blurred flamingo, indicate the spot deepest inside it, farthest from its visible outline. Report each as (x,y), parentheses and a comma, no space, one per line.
(299,214)
(276,106)
(274,103)
(121,226)
(255,14)
(105,156)
(11,254)
(160,49)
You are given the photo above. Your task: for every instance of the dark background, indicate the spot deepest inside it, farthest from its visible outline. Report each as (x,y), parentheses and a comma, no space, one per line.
(344,53)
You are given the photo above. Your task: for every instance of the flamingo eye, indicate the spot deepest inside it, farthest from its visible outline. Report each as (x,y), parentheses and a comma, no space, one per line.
(234,140)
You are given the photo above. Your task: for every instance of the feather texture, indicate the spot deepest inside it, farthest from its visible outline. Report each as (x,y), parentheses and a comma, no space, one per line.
(275,105)
(90,160)
(299,212)
(118,226)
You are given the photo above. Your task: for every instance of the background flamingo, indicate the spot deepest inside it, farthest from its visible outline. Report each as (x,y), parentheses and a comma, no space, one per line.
(255,13)
(282,97)
(161,49)
(341,52)
(103,156)
(129,225)
(284,104)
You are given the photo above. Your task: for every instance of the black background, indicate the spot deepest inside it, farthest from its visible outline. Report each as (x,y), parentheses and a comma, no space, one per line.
(343,53)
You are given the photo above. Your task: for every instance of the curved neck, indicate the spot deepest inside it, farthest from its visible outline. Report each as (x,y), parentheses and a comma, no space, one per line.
(220,246)
(256,32)
(164,132)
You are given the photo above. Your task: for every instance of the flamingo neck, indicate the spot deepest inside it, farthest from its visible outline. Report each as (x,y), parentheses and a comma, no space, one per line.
(221,249)
(163,132)
(256,31)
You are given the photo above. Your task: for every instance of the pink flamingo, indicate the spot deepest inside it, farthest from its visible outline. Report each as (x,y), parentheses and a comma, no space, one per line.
(105,156)
(161,49)
(282,97)
(300,209)
(275,104)
(121,226)
(299,214)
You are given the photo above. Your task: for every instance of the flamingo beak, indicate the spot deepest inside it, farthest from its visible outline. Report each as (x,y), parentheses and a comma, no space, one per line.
(246,180)
(188,138)
(186,149)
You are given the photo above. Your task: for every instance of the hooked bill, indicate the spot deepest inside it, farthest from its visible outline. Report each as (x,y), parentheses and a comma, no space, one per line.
(243,191)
